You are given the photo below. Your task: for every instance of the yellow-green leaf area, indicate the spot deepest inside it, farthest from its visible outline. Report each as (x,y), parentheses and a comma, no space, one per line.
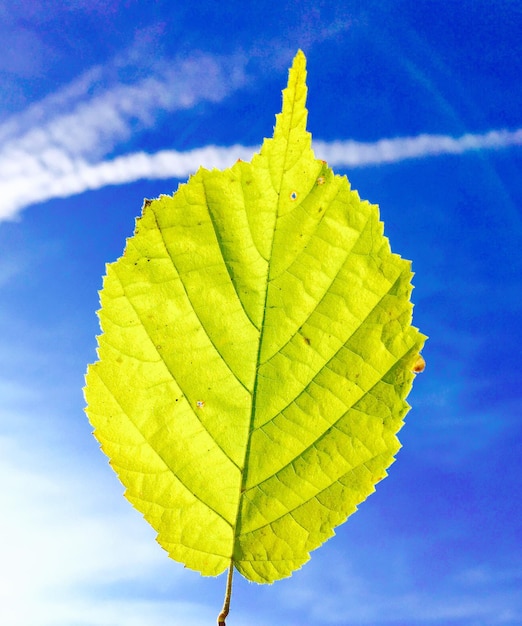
(255,356)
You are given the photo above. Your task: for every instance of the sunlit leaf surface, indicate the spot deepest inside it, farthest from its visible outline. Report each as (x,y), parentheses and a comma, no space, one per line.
(256,353)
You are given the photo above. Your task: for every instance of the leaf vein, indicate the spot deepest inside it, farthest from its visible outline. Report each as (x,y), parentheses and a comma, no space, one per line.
(194,308)
(161,457)
(332,426)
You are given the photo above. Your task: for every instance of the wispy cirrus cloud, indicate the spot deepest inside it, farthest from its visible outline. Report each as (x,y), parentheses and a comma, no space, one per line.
(103,106)
(357,154)
(55,173)
(66,144)
(51,147)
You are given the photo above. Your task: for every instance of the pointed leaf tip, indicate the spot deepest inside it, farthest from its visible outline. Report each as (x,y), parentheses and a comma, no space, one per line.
(299,61)
(294,96)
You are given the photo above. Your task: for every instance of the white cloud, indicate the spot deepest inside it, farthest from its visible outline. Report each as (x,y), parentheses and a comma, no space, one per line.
(48,150)
(54,173)
(59,146)
(59,176)
(102,107)
(356,154)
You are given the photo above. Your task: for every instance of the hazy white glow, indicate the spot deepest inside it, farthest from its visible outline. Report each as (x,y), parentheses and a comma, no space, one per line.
(62,540)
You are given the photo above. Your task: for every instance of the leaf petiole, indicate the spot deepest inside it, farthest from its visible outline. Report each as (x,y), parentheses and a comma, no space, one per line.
(228,593)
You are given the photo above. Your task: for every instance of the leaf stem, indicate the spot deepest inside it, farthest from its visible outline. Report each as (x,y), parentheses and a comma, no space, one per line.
(226,604)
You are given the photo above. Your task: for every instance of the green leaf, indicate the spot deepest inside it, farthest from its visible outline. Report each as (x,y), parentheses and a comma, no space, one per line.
(256,353)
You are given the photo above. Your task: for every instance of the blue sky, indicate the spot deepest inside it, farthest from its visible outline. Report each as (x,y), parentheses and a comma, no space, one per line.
(105,103)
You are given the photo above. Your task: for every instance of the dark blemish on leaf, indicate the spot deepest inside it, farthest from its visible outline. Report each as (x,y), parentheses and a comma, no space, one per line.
(320,209)
(293,196)
(307,340)
(200,404)
(147,202)
(419,365)
(321,180)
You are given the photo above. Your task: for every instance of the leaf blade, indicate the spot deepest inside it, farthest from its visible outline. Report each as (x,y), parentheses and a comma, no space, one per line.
(256,354)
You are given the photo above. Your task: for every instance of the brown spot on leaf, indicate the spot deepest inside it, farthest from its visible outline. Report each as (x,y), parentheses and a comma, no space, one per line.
(419,365)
